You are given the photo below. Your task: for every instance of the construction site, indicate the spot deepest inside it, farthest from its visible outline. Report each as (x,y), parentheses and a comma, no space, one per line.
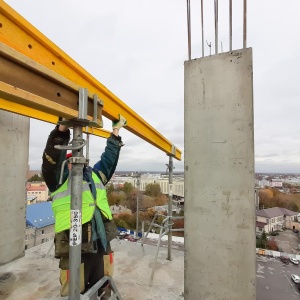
(40,81)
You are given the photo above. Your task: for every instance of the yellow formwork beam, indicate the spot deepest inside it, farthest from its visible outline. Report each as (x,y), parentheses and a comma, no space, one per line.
(43,116)
(20,35)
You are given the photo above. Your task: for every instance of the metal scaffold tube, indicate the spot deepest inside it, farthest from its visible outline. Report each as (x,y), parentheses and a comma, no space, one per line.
(76,208)
(170,207)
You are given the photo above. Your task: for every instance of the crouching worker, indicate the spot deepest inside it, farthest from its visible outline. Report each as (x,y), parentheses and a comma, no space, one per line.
(98,228)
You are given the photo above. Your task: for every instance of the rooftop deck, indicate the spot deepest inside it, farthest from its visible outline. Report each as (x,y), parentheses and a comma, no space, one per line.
(35,276)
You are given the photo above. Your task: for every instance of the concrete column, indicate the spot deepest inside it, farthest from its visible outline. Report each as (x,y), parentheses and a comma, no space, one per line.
(219,178)
(14,143)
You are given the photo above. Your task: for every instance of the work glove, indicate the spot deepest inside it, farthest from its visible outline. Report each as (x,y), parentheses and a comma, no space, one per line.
(119,123)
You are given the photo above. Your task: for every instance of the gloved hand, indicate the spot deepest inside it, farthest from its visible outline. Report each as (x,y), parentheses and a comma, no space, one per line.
(119,123)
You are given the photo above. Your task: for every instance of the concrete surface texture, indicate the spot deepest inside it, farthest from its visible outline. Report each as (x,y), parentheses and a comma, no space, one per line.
(35,276)
(219,177)
(14,136)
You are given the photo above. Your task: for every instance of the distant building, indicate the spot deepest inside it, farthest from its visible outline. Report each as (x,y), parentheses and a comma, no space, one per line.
(277,183)
(31,200)
(39,224)
(37,189)
(145,179)
(276,218)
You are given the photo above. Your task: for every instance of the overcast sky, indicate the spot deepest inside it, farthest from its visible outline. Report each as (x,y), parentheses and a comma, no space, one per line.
(137,49)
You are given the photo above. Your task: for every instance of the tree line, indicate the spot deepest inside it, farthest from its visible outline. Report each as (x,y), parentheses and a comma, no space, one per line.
(127,196)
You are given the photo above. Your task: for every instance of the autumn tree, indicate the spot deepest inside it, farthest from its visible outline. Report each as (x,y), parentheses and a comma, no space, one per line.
(36,177)
(132,199)
(160,200)
(127,188)
(110,188)
(272,245)
(116,198)
(128,220)
(265,197)
(153,190)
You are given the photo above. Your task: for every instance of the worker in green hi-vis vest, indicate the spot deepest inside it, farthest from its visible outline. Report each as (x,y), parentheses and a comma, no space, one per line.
(98,228)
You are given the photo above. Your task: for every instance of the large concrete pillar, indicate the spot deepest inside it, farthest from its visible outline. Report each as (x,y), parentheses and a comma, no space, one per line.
(14,143)
(219,178)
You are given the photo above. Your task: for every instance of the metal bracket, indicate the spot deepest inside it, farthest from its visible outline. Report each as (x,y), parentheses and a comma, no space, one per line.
(173,151)
(82,112)
(97,102)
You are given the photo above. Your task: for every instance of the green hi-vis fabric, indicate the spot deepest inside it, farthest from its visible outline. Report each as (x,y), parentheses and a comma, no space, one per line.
(61,204)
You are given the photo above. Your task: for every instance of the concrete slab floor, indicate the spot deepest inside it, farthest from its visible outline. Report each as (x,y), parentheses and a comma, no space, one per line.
(35,276)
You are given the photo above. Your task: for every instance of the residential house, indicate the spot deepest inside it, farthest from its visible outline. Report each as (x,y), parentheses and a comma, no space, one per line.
(38,189)
(39,224)
(276,218)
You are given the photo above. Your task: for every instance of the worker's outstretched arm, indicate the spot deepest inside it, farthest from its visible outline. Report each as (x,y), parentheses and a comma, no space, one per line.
(107,164)
(53,158)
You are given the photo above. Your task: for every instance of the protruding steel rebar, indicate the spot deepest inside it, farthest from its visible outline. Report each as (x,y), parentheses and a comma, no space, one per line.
(230,25)
(202,28)
(216,26)
(188,10)
(245,25)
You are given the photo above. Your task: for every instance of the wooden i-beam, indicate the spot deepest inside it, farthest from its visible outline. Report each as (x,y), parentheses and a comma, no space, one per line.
(39,80)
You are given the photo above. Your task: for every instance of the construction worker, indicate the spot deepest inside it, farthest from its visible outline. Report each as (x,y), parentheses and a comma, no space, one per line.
(98,228)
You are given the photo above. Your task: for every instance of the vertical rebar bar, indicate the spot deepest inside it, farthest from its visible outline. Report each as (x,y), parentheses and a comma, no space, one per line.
(230,25)
(216,27)
(189,27)
(170,207)
(245,25)
(202,28)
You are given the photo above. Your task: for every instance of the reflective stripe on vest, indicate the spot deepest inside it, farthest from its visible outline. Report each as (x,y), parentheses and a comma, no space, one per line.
(62,203)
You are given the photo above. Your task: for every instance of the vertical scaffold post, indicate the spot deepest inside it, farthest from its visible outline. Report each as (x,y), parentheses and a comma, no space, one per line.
(76,199)
(170,204)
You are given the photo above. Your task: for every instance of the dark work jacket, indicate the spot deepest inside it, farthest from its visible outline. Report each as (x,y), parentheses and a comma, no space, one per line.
(53,159)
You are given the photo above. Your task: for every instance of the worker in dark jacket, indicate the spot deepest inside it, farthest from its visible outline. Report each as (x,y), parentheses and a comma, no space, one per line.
(97,224)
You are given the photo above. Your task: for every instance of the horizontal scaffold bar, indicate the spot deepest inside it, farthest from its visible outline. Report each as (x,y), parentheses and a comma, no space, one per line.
(19,35)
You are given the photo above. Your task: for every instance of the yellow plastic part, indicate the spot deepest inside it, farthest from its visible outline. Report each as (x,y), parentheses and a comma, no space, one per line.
(42,116)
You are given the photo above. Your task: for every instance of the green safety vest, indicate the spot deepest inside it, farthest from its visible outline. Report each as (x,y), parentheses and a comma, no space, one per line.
(61,203)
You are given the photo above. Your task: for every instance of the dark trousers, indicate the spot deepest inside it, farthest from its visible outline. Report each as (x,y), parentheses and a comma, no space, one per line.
(93,268)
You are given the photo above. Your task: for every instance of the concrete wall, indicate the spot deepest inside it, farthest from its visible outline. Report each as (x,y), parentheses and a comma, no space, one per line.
(14,137)
(219,178)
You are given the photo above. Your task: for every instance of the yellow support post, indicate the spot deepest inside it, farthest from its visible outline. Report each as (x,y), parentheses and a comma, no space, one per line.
(18,34)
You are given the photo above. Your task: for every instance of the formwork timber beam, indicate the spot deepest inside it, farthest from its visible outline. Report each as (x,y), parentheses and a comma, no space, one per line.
(19,36)
(26,87)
